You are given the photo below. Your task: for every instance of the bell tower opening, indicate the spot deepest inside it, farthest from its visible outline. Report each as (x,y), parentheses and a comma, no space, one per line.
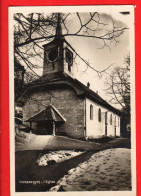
(69,58)
(58,54)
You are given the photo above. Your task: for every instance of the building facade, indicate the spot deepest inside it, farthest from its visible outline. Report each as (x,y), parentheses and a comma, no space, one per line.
(59,104)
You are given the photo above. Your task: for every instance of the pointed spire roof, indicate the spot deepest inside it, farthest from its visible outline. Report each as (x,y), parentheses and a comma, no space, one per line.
(58,34)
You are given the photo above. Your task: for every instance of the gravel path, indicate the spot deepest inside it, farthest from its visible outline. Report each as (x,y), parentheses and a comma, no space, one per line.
(108,170)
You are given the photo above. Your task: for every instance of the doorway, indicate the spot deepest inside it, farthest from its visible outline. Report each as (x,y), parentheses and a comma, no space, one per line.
(105,123)
(45,128)
(115,126)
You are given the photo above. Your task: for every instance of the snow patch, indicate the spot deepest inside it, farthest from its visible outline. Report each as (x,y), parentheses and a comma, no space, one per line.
(57,156)
(108,170)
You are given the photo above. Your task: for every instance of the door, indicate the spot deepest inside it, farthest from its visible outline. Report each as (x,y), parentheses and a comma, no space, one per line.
(45,128)
(105,123)
(115,126)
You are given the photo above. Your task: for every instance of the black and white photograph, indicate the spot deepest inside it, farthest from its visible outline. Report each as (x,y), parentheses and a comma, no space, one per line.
(72,100)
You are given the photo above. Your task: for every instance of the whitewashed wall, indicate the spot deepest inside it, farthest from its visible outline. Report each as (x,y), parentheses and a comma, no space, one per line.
(94,128)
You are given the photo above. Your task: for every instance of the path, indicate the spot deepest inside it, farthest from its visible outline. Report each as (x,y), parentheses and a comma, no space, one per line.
(28,170)
(108,170)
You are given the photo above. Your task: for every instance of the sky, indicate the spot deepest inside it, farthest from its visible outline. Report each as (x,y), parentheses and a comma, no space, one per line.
(100,59)
(92,49)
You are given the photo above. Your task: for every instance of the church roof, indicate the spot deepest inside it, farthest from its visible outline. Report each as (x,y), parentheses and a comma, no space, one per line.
(50,113)
(51,80)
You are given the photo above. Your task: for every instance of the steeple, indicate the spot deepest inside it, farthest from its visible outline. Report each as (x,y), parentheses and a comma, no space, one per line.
(58,34)
(58,54)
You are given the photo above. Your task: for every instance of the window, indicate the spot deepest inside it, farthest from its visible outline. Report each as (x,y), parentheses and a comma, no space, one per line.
(69,67)
(115,121)
(69,58)
(105,117)
(111,119)
(99,115)
(91,112)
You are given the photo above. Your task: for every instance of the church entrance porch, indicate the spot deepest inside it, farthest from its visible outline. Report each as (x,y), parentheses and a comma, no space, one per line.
(46,121)
(46,128)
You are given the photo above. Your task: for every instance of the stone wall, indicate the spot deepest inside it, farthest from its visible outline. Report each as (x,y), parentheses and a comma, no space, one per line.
(66,101)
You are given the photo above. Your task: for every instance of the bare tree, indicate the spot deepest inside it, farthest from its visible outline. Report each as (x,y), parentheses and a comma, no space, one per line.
(118,86)
(30,31)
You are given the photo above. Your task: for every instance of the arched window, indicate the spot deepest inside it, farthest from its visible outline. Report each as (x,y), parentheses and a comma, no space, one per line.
(99,115)
(115,121)
(105,117)
(111,119)
(91,112)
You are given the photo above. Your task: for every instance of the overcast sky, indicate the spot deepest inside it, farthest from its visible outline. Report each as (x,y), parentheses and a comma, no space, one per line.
(89,48)
(100,59)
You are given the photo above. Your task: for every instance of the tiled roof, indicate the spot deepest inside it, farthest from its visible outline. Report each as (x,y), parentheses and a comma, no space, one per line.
(48,114)
(60,78)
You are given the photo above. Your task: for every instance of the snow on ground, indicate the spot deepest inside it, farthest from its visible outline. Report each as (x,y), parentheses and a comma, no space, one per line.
(29,141)
(108,170)
(57,156)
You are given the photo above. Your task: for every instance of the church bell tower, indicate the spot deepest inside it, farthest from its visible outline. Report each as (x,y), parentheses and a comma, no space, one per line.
(58,54)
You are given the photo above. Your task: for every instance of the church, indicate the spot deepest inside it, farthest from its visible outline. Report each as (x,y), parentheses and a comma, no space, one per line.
(58,104)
